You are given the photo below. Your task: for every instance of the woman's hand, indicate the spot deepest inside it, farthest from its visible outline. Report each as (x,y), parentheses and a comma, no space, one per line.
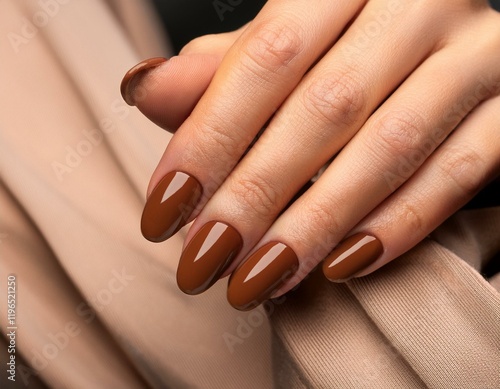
(403,95)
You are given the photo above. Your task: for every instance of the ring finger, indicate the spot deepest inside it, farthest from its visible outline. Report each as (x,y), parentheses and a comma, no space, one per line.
(402,129)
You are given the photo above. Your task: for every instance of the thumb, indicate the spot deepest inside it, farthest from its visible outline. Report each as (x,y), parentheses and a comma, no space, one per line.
(166,91)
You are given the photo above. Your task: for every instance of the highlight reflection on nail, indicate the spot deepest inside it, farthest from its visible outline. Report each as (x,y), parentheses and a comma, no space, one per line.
(169,206)
(207,256)
(351,256)
(261,275)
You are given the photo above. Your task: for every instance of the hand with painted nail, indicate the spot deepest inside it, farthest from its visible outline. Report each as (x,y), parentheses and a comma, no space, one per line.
(401,97)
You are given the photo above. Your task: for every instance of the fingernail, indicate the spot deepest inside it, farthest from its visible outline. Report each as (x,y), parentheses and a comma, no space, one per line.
(169,206)
(130,80)
(261,275)
(351,256)
(207,256)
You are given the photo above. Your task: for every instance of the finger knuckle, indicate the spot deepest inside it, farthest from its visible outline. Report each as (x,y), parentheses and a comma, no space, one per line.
(320,209)
(410,215)
(274,45)
(337,98)
(464,167)
(398,133)
(213,141)
(257,196)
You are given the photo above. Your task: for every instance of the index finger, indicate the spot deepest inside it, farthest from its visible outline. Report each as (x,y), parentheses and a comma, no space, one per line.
(258,73)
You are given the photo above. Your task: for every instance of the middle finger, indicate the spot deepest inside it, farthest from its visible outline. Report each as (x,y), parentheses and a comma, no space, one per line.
(321,115)
(256,75)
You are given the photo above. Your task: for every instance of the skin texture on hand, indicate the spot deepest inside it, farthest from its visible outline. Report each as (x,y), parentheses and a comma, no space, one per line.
(398,98)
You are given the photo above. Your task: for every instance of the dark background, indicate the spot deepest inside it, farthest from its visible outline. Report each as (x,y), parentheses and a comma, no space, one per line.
(187,19)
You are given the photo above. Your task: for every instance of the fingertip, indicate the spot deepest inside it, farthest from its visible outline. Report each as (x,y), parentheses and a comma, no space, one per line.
(351,257)
(168,94)
(132,78)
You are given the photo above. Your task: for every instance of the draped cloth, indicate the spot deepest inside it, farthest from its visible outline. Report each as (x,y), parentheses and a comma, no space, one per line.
(97,306)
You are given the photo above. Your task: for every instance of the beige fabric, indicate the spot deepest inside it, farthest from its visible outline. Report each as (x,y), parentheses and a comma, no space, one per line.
(427,319)
(72,237)
(74,165)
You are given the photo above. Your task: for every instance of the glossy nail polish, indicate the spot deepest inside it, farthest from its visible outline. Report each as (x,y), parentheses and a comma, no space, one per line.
(351,256)
(132,77)
(169,206)
(261,275)
(207,256)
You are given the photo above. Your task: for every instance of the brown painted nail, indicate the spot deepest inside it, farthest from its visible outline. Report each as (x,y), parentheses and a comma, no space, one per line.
(351,256)
(207,256)
(131,78)
(169,206)
(261,275)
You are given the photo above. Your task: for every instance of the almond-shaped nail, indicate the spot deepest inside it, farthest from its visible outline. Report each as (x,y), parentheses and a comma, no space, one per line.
(132,77)
(169,206)
(351,256)
(261,275)
(207,256)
